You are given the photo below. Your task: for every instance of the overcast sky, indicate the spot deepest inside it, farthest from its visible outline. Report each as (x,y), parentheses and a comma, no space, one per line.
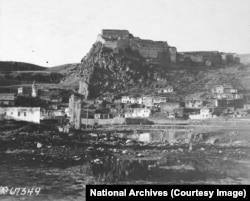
(54,32)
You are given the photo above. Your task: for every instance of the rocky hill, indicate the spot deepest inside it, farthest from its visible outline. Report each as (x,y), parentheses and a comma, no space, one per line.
(126,72)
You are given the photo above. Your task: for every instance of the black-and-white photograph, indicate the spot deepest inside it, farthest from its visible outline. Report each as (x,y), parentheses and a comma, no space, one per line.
(127,92)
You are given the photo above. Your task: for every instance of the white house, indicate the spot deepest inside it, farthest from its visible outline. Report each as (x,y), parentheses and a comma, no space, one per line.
(139,100)
(137,112)
(193,103)
(218,89)
(133,100)
(29,114)
(168,89)
(205,113)
(158,100)
(125,99)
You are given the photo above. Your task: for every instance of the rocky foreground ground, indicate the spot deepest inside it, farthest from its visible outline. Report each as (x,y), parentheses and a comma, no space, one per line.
(107,153)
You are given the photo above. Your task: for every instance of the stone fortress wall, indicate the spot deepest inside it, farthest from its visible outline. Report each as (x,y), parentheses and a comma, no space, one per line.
(147,48)
(117,39)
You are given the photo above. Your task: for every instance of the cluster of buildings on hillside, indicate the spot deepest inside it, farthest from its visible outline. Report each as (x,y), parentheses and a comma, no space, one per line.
(223,100)
(122,39)
(36,105)
(32,104)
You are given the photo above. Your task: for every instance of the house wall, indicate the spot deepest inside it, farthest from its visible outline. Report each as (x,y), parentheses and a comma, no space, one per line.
(145,137)
(29,114)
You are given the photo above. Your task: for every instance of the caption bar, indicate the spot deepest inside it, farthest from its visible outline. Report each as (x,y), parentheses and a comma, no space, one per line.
(163,192)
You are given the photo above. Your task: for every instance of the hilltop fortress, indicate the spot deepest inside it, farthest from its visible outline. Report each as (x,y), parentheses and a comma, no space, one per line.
(117,39)
(160,50)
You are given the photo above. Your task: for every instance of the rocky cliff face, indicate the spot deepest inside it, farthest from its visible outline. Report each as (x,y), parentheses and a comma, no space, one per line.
(123,71)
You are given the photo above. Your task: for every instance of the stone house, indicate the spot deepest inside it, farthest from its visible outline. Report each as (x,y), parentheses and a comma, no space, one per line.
(137,112)
(24,91)
(7,99)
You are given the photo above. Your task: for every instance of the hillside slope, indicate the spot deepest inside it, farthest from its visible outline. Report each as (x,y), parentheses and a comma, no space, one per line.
(19,66)
(17,73)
